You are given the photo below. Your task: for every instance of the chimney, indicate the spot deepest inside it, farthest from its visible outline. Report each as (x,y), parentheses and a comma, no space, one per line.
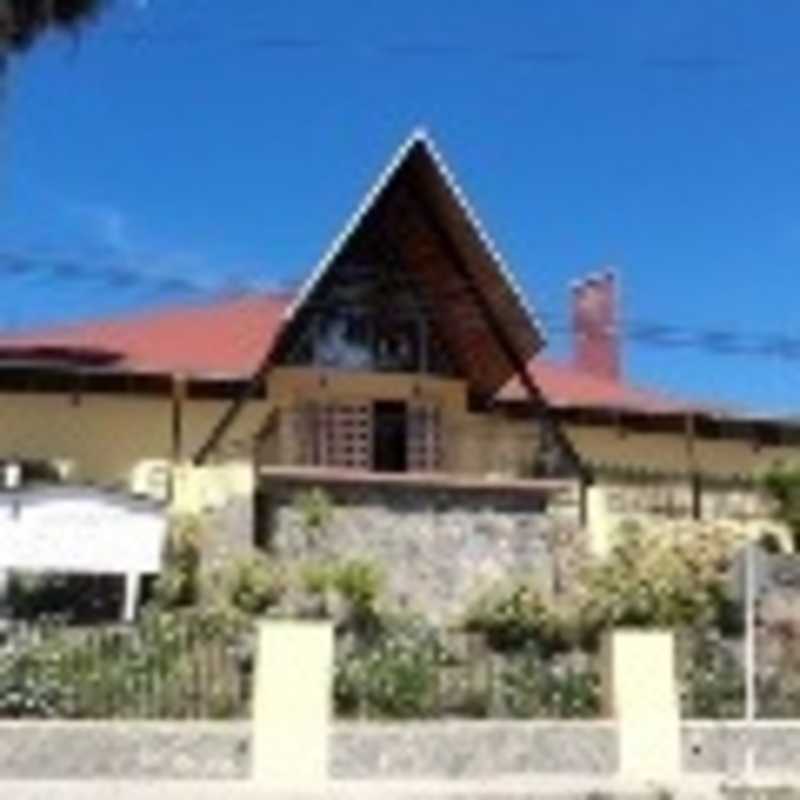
(595,333)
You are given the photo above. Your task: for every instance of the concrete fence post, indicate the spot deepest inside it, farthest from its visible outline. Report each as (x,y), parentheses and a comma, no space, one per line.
(640,693)
(292,698)
(599,521)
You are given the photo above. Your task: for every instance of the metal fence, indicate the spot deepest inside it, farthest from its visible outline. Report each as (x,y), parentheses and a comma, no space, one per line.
(447,674)
(712,674)
(197,667)
(164,668)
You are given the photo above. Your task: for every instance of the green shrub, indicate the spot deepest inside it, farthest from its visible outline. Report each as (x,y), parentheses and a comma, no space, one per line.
(359,582)
(315,577)
(512,615)
(254,584)
(316,512)
(178,584)
(781,482)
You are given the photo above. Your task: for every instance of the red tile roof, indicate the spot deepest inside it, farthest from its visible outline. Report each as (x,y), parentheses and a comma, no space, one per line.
(228,339)
(224,339)
(566,386)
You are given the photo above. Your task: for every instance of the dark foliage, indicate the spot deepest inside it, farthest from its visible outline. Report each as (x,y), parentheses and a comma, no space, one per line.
(22,22)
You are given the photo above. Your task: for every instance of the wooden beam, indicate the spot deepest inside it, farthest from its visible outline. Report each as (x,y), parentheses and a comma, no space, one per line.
(177,406)
(518,363)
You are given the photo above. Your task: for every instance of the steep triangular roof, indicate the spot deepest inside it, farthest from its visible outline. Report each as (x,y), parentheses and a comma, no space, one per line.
(443,242)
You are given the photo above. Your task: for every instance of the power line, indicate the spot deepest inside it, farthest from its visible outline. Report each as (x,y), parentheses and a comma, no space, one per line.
(436,49)
(14,263)
(716,341)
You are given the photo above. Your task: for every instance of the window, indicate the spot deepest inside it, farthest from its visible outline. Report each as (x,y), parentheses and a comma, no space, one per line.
(384,436)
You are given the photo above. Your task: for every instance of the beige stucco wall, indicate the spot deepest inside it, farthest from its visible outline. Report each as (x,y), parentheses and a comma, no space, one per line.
(107,436)
(477,444)
(126,439)
(615,501)
(289,386)
(672,453)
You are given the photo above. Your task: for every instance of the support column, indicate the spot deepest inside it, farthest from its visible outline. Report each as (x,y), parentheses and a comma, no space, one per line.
(178,398)
(640,693)
(599,521)
(292,703)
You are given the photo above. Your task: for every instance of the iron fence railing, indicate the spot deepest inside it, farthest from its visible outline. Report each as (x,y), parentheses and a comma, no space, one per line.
(456,675)
(190,667)
(164,668)
(711,676)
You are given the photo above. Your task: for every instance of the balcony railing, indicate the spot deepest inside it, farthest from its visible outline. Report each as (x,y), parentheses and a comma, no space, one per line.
(349,437)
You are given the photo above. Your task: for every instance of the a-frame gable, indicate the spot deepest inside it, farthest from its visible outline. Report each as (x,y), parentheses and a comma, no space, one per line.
(416,225)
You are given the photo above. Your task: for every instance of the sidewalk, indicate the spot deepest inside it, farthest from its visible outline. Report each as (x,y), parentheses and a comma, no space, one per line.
(536,788)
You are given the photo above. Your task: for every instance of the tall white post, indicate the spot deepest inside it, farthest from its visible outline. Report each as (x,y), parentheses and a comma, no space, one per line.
(292,701)
(640,693)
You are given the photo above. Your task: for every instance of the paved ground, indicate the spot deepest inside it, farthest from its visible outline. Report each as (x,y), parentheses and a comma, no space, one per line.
(696,788)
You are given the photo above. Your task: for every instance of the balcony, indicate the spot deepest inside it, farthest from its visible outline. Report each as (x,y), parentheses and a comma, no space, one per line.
(397,439)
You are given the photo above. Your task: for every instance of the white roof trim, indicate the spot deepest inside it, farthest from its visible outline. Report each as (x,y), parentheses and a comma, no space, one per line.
(418,136)
(352,224)
(483,235)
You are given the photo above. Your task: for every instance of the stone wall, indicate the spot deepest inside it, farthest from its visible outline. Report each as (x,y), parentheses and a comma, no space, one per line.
(58,750)
(438,543)
(721,746)
(473,749)
(221,751)
(453,749)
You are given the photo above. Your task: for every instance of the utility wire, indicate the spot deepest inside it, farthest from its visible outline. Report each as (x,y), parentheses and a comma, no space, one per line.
(432,48)
(717,341)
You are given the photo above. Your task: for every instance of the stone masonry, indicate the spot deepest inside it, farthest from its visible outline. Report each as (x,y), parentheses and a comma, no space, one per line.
(437,545)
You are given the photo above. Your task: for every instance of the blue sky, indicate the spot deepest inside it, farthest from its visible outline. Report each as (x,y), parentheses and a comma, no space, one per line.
(658,137)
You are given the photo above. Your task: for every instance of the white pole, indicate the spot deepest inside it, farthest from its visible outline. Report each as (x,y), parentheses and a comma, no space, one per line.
(750,656)
(131,601)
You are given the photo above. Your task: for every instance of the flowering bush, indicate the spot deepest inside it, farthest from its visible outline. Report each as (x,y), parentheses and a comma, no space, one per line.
(670,576)
(394,674)
(31,684)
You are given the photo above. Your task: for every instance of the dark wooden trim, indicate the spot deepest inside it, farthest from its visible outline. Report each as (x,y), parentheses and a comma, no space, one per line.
(518,363)
(247,392)
(177,406)
(18,380)
(764,432)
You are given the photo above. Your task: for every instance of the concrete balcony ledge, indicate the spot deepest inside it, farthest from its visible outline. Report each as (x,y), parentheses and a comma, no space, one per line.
(433,481)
